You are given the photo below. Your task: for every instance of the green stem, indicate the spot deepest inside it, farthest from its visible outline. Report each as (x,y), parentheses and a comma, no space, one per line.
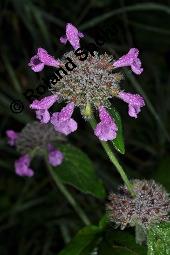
(114,160)
(116,163)
(140,234)
(68,196)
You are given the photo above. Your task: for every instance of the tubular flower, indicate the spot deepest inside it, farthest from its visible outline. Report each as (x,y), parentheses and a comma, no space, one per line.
(89,80)
(34,140)
(72,35)
(12,136)
(130,59)
(22,166)
(106,129)
(135,103)
(55,157)
(151,204)
(42,106)
(41,59)
(62,120)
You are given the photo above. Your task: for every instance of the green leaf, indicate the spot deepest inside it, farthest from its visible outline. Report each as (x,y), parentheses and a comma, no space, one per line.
(118,142)
(119,243)
(103,222)
(77,170)
(80,243)
(159,239)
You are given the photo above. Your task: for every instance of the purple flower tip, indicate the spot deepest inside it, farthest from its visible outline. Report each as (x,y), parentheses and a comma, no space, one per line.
(55,157)
(42,106)
(72,35)
(22,166)
(41,59)
(130,59)
(62,120)
(106,128)
(44,103)
(12,137)
(135,102)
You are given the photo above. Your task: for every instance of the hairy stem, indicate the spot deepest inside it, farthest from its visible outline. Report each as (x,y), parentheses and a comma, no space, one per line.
(114,160)
(140,234)
(68,196)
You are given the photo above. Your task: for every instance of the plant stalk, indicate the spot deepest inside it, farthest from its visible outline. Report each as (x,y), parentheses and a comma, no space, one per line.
(114,160)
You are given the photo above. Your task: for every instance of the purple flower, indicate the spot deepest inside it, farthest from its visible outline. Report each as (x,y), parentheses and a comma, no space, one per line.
(135,102)
(130,59)
(42,106)
(12,137)
(43,116)
(106,129)
(55,157)
(72,35)
(41,59)
(22,166)
(62,120)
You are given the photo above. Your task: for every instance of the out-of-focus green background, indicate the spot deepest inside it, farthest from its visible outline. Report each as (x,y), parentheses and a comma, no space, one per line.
(34,217)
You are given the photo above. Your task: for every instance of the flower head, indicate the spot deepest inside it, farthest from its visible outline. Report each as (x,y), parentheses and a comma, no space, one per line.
(62,120)
(72,35)
(42,106)
(41,59)
(151,204)
(35,139)
(130,59)
(12,136)
(22,166)
(88,81)
(106,129)
(37,136)
(92,82)
(135,102)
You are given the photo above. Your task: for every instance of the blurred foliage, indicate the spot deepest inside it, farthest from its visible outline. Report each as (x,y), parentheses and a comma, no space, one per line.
(34,217)
(159,239)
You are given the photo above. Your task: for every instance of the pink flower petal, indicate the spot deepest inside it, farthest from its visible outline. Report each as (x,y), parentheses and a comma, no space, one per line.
(130,59)
(80,34)
(42,106)
(35,64)
(136,66)
(63,39)
(62,120)
(41,59)
(72,35)
(44,103)
(12,137)
(134,101)
(106,128)
(46,58)
(38,68)
(43,116)
(22,166)
(55,157)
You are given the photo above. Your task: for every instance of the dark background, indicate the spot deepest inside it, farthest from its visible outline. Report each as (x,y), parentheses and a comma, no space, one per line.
(34,217)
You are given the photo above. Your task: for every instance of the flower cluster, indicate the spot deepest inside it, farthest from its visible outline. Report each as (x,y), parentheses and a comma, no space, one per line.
(89,87)
(151,204)
(35,139)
